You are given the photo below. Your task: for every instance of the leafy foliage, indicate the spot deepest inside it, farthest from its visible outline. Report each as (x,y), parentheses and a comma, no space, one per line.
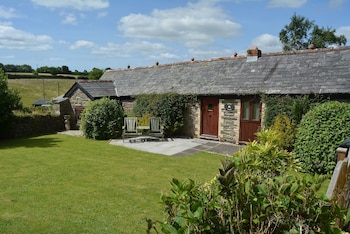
(320,132)
(294,107)
(95,74)
(171,107)
(9,101)
(301,32)
(286,130)
(252,193)
(102,119)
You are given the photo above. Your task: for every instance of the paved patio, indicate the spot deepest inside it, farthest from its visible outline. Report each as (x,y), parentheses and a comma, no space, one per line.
(180,146)
(173,146)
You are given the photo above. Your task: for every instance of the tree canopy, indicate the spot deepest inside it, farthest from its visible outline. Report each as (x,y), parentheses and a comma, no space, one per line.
(9,101)
(95,74)
(300,33)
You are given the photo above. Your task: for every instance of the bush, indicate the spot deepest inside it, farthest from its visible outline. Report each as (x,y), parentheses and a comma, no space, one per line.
(286,130)
(294,107)
(320,132)
(102,119)
(251,194)
(9,101)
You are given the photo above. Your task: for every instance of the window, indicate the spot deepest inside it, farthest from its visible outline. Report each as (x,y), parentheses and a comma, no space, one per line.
(256,111)
(245,114)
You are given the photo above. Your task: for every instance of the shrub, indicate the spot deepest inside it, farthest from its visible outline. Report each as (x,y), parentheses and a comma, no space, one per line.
(286,130)
(292,106)
(102,119)
(320,132)
(9,101)
(252,193)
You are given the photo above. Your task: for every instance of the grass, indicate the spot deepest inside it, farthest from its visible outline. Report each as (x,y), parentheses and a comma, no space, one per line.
(66,184)
(34,89)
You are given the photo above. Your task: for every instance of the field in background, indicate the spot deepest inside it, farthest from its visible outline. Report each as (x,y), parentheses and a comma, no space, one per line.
(34,89)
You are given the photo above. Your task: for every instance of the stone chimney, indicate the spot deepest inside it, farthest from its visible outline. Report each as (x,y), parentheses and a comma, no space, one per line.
(254,51)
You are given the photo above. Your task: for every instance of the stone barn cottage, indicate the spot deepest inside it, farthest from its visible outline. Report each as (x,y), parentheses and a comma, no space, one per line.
(83,92)
(229,89)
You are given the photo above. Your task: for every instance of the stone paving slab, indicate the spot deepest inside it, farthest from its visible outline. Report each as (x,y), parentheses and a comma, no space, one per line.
(181,146)
(173,146)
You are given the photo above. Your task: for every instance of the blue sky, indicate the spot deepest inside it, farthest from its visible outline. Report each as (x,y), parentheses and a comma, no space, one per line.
(83,34)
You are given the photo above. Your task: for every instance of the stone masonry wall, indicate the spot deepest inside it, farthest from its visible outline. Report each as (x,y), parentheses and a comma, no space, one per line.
(229,120)
(33,126)
(79,98)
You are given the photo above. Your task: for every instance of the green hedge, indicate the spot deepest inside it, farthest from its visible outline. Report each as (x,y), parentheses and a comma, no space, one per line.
(102,119)
(320,132)
(294,107)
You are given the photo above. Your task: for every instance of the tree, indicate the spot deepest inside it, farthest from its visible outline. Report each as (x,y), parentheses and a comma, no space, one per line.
(65,69)
(9,101)
(95,74)
(301,32)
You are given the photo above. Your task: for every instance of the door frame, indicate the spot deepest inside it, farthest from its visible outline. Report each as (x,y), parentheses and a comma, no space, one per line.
(250,125)
(214,132)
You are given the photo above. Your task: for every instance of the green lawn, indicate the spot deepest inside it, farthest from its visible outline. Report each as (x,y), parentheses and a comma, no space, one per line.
(66,184)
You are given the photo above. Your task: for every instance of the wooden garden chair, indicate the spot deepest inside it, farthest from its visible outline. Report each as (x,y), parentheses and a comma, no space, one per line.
(130,127)
(155,127)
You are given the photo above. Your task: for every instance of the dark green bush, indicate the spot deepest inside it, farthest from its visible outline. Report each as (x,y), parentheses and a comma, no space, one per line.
(171,107)
(9,101)
(102,119)
(252,193)
(321,130)
(294,107)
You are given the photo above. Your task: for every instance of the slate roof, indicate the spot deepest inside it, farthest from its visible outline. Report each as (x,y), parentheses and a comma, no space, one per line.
(94,89)
(42,102)
(323,71)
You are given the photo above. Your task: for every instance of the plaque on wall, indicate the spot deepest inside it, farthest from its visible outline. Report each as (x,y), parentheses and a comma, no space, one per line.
(229,107)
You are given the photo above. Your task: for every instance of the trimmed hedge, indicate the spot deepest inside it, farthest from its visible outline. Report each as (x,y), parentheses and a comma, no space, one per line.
(320,132)
(102,119)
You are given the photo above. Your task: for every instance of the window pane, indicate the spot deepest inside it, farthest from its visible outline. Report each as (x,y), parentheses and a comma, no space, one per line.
(256,111)
(210,107)
(245,114)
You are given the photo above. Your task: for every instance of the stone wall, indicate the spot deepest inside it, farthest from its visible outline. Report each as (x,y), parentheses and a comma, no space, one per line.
(229,120)
(33,126)
(79,98)
(127,106)
(192,121)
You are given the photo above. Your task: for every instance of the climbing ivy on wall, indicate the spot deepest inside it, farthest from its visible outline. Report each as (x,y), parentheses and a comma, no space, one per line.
(171,107)
(294,107)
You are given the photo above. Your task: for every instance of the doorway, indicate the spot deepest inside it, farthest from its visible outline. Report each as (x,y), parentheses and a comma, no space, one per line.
(250,119)
(210,117)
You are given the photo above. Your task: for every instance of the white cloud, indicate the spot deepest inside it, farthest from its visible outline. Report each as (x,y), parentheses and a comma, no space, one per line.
(12,38)
(121,50)
(195,25)
(345,30)
(286,3)
(267,43)
(7,13)
(76,4)
(82,44)
(102,14)
(70,19)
